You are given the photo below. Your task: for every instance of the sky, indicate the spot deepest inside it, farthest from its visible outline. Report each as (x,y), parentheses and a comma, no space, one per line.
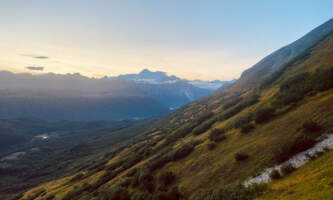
(199,39)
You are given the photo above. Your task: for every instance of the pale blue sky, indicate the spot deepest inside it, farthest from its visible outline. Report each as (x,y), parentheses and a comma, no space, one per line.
(192,39)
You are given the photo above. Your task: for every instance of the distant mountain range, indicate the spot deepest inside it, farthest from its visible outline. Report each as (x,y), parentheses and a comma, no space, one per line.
(171,91)
(76,97)
(148,77)
(73,97)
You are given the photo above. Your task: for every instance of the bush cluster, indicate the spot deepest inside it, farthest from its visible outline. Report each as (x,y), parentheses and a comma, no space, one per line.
(297,87)
(299,144)
(233,192)
(211,145)
(241,156)
(232,102)
(275,174)
(240,121)
(172,154)
(246,128)
(246,102)
(37,193)
(262,115)
(203,127)
(166,178)
(287,169)
(311,127)
(180,133)
(217,135)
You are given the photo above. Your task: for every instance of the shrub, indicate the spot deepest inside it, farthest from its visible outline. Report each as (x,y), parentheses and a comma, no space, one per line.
(170,155)
(231,103)
(311,127)
(301,143)
(293,89)
(104,178)
(296,88)
(248,101)
(241,156)
(287,169)
(323,80)
(233,192)
(139,195)
(143,179)
(77,191)
(204,117)
(217,135)
(203,127)
(256,190)
(180,133)
(166,178)
(263,115)
(240,121)
(237,192)
(275,174)
(183,151)
(247,128)
(17,196)
(77,177)
(49,197)
(172,194)
(113,193)
(319,153)
(211,145)
(37,193)
(159,161)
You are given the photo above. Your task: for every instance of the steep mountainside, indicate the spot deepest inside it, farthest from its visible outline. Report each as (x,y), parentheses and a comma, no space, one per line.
(209,148)
(175,94)
(280,58)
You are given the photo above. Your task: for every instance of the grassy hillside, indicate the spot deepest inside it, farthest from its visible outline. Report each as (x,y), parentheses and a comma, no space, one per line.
(208,148)
(312,181)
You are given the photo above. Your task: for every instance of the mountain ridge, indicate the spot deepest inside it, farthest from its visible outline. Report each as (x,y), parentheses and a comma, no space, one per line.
(281,57)
(170,90)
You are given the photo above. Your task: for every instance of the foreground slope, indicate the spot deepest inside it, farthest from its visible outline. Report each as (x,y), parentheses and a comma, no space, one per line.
(312,181)
(208,148)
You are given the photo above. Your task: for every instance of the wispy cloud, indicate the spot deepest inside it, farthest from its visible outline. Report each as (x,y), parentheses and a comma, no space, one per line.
(41,57)
(35,56)
(35,68)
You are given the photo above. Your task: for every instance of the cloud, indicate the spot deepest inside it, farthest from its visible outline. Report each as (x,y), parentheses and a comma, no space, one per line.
(35,68)
(35,56)
(41,57)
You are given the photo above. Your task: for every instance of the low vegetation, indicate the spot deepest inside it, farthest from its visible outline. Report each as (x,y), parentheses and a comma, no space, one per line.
(211,145)
(246,128)
(297,87)
(263,115)
(201,128)
(287,169)
(244,103)
(217,135)
(241,156)
(275,174)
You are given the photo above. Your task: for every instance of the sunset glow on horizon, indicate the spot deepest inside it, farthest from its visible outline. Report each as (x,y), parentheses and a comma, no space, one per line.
(208,41)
